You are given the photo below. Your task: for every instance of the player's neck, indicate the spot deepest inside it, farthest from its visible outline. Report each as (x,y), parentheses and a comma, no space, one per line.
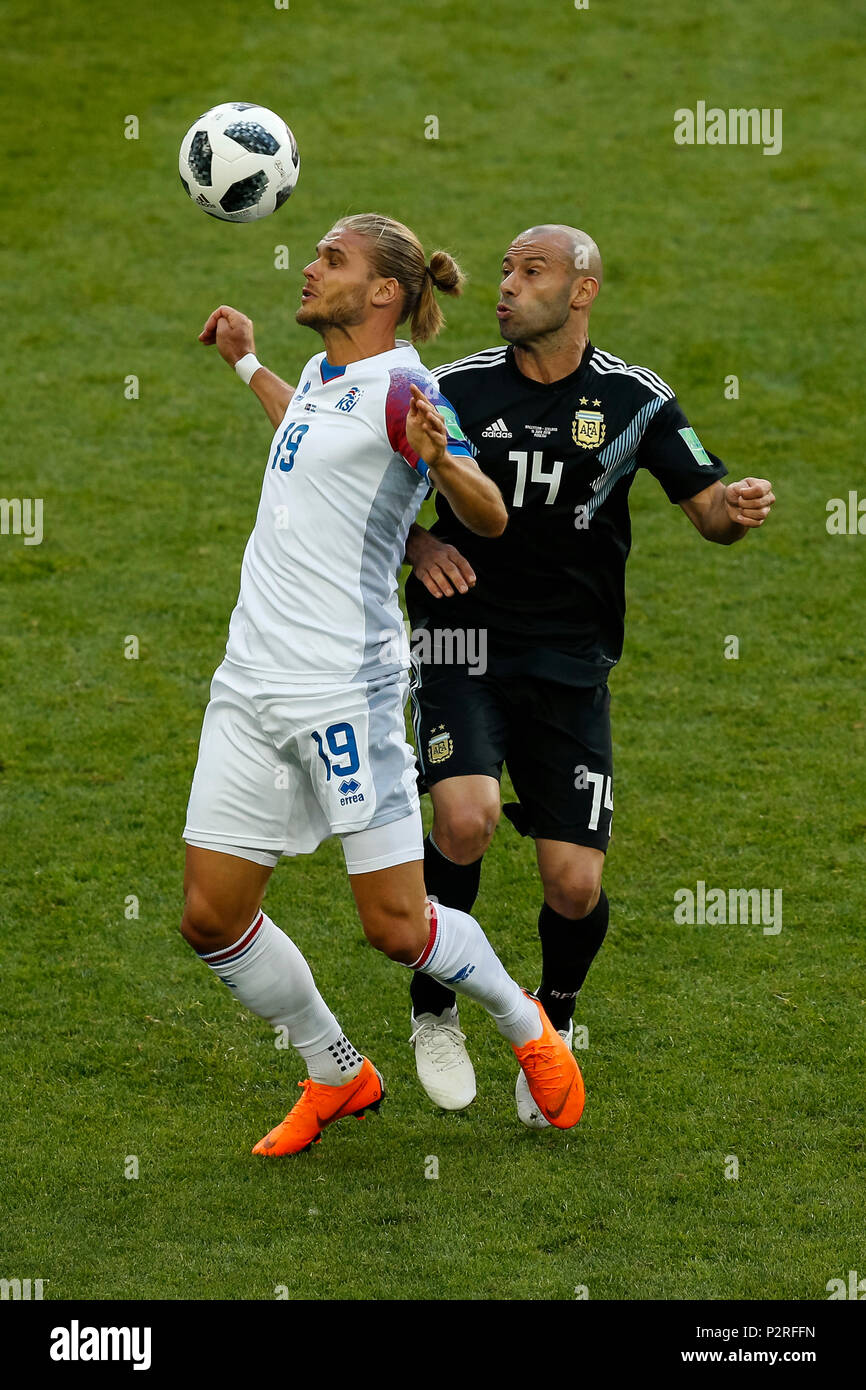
(548,360)
(355,342)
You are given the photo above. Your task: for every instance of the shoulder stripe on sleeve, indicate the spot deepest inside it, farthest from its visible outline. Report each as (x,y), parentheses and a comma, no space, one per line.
(619,456)
(605,363)
(490,357)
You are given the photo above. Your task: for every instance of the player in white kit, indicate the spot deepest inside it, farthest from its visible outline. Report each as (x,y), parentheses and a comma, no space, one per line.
(303,737)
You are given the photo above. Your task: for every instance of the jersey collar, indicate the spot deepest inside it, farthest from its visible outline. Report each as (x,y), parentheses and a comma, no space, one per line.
(563,383)
(329,373)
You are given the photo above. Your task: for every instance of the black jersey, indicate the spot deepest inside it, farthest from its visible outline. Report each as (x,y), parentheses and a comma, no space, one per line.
(550,591)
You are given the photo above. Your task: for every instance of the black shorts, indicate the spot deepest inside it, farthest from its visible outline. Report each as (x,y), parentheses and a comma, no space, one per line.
(553,738)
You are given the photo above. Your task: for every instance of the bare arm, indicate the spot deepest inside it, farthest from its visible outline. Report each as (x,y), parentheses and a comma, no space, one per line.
(273,392)
(725,514)
(474,498)
(232,332)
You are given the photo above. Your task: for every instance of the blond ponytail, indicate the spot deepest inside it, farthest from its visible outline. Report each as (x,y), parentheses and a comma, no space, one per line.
(395,252)
(444,274)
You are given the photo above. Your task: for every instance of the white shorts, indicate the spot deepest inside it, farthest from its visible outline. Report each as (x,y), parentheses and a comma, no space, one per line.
(280,770)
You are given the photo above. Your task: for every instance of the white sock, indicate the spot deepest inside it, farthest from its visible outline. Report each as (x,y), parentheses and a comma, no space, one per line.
(265,970)
(337,1064)
(458,954)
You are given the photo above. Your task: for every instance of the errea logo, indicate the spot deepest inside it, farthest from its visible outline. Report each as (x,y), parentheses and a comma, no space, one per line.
(462,974)
(350,791)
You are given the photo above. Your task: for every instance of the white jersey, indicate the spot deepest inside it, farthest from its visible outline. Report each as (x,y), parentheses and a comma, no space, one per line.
(318,600)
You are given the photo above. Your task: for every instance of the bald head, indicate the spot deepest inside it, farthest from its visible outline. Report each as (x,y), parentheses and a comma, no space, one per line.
(551,276)
(569,246)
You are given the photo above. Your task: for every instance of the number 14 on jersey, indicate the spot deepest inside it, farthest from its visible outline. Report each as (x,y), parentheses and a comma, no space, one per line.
(536,475)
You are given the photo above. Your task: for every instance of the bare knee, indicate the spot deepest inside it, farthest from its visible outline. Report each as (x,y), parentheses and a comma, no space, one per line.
(207,927)
(464,831)
(571,875)
(396,931)
(222,896)
(573,894)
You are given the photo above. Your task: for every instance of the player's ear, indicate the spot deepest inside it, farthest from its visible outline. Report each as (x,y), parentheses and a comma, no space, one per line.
(386,293)
(585,292)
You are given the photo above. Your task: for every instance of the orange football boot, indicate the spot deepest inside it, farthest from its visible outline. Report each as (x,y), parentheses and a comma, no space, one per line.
(320,1106)
(552,1074)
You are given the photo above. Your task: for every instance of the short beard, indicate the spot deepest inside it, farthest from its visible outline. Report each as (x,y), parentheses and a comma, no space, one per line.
(345,310)
(520,335)
(509,337)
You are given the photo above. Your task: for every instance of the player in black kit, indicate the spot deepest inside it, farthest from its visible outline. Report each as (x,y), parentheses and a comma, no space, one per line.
(512,667)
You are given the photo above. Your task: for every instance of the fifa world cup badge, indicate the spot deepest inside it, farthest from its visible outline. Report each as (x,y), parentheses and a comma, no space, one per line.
(587,428)
(440,745)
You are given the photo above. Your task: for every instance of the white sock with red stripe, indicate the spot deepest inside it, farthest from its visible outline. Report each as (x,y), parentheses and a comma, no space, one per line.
(265,970)
(459,955)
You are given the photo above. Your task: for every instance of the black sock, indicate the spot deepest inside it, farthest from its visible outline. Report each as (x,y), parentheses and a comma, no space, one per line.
(568,948)
(455,885)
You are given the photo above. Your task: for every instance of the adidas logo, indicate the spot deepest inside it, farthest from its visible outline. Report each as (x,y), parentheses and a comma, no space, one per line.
(497,429)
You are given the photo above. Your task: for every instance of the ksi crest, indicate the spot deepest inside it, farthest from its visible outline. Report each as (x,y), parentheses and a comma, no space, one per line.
(440,745)
(587,429)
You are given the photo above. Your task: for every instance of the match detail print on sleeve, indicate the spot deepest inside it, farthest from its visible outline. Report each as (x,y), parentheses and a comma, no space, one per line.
(397,405)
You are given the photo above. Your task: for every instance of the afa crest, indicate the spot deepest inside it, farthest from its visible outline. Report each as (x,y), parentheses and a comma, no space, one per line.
(440,745)
(587,429)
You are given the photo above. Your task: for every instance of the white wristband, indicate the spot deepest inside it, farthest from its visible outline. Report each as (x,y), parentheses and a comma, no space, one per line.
(246,366)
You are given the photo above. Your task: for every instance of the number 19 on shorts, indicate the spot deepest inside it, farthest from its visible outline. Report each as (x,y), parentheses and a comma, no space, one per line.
(337,747)
(342,746)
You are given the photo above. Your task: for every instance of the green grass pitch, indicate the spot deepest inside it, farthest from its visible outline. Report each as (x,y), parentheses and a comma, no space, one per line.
(705,1043)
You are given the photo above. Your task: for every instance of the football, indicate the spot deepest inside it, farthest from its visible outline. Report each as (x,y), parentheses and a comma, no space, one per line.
(239,161)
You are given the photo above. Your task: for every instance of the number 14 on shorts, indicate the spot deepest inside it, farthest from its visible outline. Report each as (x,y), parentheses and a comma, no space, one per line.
(602,787)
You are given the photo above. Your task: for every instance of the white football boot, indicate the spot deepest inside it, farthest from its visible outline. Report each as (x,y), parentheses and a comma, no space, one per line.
(527,1110)
(443,1064)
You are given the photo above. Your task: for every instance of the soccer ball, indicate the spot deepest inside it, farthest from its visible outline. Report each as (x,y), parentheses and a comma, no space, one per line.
(239,161)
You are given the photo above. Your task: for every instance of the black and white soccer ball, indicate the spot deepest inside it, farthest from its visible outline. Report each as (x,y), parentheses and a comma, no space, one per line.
(239,161)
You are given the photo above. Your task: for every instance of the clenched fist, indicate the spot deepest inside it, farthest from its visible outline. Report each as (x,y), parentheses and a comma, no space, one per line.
(748,502)
(232,332)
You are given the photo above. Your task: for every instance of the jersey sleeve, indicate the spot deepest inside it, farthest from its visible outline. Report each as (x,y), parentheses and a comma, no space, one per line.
(397,403)
(672,452)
